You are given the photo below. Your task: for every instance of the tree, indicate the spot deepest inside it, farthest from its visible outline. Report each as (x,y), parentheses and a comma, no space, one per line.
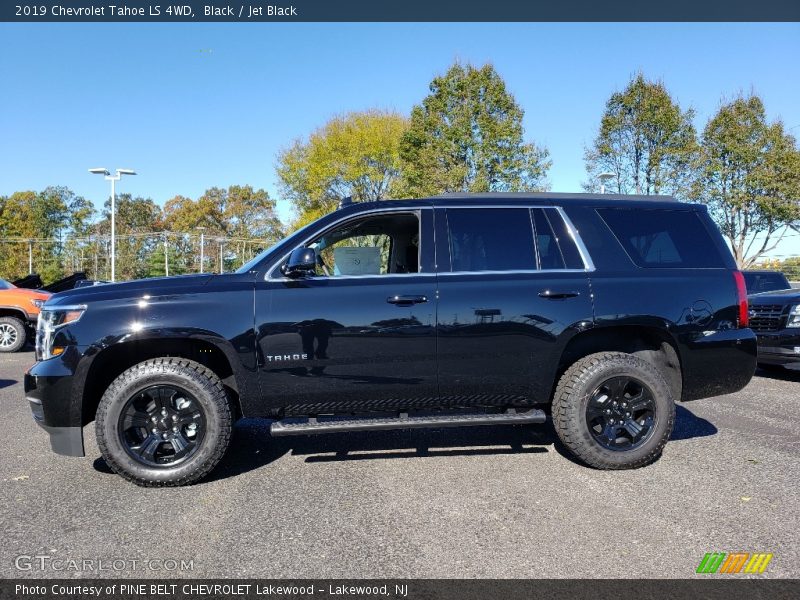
(44,217)
(356,155)
(749,176)
(238,214)
(645,140)
(78,248)
(467,136)
(137,221)
(156,266)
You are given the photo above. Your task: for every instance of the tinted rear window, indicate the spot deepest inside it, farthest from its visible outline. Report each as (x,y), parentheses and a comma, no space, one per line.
(661,238)
(765,282)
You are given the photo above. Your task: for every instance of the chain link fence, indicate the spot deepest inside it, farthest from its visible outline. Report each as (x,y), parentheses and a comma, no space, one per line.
(138,255)
(155,254)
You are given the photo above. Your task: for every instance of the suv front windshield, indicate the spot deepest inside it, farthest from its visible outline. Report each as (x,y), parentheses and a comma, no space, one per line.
(4,285)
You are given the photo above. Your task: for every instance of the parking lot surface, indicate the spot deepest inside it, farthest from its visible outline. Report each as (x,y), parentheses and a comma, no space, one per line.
(474,502)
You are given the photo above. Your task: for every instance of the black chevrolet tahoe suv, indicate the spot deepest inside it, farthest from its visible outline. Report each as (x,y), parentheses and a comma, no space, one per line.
(775,317)
(449,311)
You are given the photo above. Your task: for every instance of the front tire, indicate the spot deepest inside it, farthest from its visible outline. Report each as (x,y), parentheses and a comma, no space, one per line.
(13,334)
(164,422)
(613,411)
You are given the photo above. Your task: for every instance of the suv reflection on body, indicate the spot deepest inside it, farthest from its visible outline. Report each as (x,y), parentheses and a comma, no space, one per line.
(446,311)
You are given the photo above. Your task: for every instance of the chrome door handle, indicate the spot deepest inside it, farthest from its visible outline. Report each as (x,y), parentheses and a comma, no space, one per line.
(406,300)
(551,295)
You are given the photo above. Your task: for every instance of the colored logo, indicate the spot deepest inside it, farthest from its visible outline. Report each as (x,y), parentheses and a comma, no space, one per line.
(735,562)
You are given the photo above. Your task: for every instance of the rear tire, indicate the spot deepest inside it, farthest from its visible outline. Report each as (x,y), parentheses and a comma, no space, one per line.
(613,411)
(164,422)
(13,334)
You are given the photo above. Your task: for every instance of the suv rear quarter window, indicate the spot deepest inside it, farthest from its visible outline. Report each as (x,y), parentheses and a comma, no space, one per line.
(663,238)
(557,250)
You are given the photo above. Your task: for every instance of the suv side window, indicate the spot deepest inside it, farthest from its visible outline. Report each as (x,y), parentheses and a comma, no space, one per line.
(375,245)
(663,238)
(555,245)
(498,239)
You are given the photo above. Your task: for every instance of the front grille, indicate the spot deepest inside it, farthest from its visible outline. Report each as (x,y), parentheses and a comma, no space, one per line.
(766,317)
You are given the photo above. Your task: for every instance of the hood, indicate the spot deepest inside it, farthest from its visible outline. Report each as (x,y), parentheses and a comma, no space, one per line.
(154,286)
(775,296)
(19,292)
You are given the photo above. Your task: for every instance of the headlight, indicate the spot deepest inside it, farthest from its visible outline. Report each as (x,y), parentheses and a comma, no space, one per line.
(37,303)
(794,316)
(50,321)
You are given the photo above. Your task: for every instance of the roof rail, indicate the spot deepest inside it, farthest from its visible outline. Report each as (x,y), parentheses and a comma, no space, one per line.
(551,195)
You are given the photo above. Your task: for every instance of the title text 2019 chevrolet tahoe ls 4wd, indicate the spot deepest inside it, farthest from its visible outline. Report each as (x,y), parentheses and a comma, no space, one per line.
(447,311)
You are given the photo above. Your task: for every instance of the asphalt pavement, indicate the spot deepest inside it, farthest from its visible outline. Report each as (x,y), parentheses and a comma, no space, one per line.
(502,502)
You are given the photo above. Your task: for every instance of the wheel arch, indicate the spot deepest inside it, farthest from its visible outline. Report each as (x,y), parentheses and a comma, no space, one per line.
(648,341)
(111,361)
(14,311)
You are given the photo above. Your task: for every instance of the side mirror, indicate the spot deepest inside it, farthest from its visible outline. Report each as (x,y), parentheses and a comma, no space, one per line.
(302,261)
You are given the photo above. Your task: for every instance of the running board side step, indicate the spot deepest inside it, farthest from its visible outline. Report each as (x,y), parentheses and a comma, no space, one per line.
(404,421)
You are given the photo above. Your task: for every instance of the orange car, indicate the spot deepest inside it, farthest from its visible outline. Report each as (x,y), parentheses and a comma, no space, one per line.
(19,309)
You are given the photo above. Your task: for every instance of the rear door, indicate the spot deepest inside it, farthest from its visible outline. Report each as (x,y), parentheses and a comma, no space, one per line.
(513,288)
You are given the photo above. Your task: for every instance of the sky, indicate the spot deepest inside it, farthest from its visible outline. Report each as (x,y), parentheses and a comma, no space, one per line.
(191,106)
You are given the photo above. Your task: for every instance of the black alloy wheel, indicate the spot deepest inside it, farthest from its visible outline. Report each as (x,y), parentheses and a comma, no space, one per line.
(621,413)
(162,426)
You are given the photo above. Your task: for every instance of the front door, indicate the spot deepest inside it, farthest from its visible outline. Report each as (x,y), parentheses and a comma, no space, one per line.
(357,335)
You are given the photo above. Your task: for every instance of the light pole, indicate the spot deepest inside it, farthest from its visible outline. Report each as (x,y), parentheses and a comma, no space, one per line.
(30,257)
(603,177)
(202,245)
(221,259)
(166,256)
(113,179)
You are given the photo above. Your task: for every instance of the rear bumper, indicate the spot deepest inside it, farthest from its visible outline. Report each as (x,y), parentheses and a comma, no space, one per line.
(718,362)
(779,347)
(49,391)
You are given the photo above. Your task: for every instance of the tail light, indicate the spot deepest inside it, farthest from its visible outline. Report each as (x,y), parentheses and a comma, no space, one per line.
(741,298)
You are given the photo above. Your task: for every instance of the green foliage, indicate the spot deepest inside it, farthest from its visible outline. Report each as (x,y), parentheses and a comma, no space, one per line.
(645,140)
(66,237)
(749,176)
(55,213)
(357,155)
(155,261)
(789,267)
(238,214)
(135,218)
(467,136)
